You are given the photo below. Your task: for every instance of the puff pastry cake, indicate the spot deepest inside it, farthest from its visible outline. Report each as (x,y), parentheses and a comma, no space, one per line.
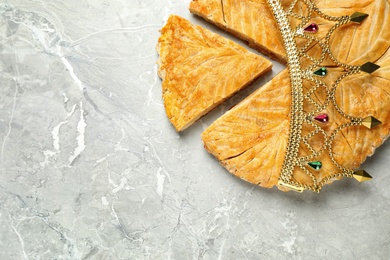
(318,120)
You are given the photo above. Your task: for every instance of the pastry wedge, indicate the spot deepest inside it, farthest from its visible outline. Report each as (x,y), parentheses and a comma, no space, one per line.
(249,20)
(200,69)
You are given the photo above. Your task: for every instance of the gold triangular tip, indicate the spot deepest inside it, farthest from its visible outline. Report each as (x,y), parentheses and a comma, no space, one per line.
(362,176)
(358,17)
(370,122)
(369,67)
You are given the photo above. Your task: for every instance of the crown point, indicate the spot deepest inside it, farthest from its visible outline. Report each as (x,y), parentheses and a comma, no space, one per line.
(317,165)
(362,176)
(322,72)
(370,122)
(358,17)
(311,28)
(322,118)
(369,67)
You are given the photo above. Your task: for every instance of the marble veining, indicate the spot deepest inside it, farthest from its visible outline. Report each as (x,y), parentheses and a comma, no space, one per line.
(92,169)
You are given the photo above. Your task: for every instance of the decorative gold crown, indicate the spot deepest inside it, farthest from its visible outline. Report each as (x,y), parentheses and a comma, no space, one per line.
(318,76)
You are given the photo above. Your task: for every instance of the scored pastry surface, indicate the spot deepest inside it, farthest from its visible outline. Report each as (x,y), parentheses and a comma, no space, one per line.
(250,140)
(200,69)
(250,20)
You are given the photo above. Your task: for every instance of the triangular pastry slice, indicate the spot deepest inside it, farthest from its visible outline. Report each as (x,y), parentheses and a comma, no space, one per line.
(200,69)
(249,20)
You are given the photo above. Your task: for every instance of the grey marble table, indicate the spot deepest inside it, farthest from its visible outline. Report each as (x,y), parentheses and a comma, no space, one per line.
(92,169)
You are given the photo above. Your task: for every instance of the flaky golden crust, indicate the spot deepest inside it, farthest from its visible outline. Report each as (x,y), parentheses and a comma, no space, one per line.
(201,69)
(251,21)
(250,140)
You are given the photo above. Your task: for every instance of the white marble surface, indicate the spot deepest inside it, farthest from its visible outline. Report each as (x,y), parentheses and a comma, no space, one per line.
(92,169)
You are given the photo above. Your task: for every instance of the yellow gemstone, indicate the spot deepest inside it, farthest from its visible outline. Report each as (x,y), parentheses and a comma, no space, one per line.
(362,176)
(371,122)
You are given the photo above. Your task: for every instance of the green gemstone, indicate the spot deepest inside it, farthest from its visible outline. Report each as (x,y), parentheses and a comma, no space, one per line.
(315,165)
(321,72)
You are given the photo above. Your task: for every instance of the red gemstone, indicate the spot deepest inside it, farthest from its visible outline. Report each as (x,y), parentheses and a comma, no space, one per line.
(312,28)
(323,118)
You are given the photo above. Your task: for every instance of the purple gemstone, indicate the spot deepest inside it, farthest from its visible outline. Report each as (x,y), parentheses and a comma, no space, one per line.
(322,118)
(312,28)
